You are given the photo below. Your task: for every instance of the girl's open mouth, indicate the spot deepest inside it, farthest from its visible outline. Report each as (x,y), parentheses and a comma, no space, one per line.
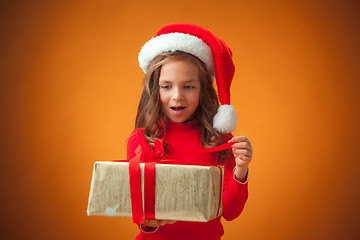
(177,108)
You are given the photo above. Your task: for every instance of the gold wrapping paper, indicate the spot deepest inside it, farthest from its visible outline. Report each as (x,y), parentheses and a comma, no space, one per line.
(182,192)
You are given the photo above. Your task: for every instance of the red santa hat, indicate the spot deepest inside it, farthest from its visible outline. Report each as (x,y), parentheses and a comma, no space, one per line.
(210,49)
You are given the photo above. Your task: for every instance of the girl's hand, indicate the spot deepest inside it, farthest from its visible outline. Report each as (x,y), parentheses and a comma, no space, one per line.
(157,223)
(242,151)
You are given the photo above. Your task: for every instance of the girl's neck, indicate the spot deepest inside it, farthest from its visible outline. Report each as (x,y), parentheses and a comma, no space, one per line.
(187,122)
(184,126)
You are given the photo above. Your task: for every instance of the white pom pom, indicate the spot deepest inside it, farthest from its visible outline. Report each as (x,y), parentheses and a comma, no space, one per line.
(225,119)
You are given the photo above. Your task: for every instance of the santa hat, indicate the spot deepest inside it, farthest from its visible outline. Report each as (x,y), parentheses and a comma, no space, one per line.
(211,50)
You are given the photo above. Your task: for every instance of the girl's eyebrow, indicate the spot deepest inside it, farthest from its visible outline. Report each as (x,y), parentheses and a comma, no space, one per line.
(192,80)
(165,81)
(168,81)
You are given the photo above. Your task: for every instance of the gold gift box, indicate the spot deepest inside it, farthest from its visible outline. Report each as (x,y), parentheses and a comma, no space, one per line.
(182,192)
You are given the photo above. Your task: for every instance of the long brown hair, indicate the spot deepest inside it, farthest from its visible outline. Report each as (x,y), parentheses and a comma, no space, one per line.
(150,116)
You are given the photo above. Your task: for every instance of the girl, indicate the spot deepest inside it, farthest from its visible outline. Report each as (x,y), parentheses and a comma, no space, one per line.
(180,106)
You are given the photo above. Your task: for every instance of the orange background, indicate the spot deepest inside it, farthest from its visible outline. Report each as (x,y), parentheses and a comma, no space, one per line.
(70,85)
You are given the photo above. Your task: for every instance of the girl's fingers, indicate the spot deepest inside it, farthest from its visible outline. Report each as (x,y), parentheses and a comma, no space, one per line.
(242,152)
(243,158)
(241,142)
(162,222)
(151,223)
(157,223)
(241,145)
(239,139)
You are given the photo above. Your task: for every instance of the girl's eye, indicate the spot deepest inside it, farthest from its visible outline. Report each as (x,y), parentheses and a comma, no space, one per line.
(165,86)
(189,87)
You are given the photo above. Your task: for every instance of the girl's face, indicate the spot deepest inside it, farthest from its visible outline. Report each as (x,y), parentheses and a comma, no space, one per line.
(179,90)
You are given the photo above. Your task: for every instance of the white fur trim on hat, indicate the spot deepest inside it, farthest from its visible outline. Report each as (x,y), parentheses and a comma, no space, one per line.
(225,119)
(172,42)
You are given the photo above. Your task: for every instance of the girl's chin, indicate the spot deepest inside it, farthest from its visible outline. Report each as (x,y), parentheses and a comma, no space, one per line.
(174,120)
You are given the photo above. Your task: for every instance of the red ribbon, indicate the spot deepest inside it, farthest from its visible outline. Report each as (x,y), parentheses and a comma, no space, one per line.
(151,158)
(149,191)
(135,189)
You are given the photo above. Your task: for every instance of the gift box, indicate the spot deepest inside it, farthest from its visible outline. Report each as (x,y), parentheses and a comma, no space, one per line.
(182,192)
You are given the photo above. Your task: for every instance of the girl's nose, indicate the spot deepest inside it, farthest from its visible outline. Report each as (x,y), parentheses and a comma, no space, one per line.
(177,94)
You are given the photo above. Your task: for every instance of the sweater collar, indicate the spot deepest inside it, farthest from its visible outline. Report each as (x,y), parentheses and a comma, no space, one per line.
(182,126)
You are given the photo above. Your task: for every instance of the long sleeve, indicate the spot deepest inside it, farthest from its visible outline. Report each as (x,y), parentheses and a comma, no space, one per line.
(135,140)
(235,193)
(132,144)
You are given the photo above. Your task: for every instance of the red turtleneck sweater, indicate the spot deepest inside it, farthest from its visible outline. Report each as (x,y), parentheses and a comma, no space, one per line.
(186,138)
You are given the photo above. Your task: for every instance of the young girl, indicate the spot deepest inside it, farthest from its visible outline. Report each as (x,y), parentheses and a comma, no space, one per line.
(180,106)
